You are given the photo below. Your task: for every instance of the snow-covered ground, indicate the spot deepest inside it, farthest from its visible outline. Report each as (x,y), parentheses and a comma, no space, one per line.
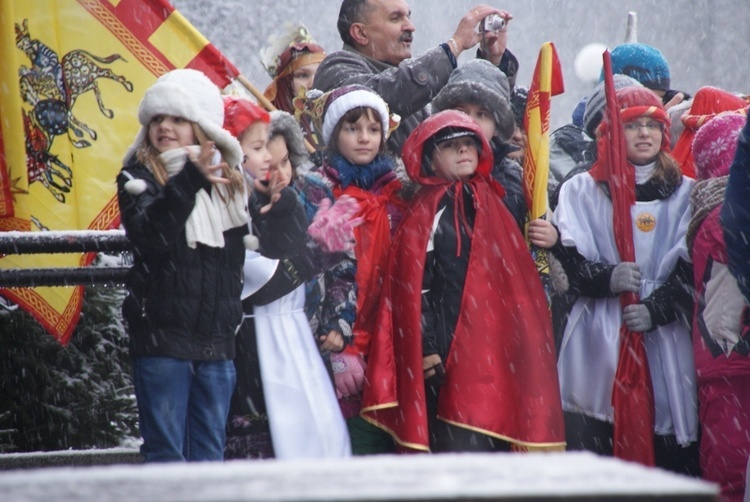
(530,476)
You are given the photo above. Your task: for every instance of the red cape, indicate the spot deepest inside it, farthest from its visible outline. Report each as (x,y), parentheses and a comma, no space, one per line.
(501,374)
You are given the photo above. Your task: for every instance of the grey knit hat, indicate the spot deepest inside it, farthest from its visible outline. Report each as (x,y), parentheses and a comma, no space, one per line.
(592,117)
(283,124)
(481,83)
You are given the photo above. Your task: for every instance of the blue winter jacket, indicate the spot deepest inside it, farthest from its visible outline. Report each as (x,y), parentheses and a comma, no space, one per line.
(735,215)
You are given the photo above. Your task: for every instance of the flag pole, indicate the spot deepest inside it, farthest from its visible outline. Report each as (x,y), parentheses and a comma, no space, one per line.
(266,103)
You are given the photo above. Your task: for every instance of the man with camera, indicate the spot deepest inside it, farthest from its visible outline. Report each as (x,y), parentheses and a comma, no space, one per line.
(377,36)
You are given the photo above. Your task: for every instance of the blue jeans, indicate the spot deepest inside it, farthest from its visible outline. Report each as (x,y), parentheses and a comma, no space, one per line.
(182,407)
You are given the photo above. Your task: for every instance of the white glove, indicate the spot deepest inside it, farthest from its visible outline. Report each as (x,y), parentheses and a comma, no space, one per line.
(626,276)
(637,318)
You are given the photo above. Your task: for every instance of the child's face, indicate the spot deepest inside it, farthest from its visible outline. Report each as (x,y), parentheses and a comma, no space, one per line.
(518,139)
(167,132)
(359,142)
(455,159)
(643,140)
(481,116)
(280,158)
(254,143)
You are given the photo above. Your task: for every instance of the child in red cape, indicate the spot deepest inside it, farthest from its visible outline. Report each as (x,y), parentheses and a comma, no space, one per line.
(463,358)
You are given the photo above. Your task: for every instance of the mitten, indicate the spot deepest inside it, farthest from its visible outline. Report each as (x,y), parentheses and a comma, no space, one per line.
(637,318)
(626,276)
(348,374)
(333,226)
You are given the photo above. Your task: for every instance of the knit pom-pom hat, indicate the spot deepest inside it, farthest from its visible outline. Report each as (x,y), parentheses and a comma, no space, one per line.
(642,62)
(189,94)
(715,144)
(349,97)
(241,113)
(576,118)
(594,111)
(479,82)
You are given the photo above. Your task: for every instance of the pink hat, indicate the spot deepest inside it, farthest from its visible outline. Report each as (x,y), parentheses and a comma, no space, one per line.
(715,144)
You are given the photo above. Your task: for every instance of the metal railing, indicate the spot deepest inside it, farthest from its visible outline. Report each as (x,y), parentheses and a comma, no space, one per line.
(52,242)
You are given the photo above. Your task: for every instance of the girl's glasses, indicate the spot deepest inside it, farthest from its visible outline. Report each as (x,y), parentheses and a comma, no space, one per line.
(651,127)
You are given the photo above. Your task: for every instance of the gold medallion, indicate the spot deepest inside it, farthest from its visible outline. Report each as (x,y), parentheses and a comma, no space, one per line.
(645,222)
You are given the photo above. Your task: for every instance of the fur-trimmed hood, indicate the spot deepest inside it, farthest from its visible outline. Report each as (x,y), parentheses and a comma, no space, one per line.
(283,124)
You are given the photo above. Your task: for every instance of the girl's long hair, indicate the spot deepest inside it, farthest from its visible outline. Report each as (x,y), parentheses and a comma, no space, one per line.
(149,156)
(667,169)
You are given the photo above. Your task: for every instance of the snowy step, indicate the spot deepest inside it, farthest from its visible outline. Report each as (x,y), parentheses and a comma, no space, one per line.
(72,458)
(465,477)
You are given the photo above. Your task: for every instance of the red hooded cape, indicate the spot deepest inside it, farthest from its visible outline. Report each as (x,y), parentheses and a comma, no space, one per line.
(501,375)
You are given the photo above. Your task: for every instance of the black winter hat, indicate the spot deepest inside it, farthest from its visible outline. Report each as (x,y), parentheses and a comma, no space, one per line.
(518,99)
(444,135)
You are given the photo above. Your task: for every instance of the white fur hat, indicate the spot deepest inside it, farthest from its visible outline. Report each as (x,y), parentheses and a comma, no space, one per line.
(347,98)
(189,94)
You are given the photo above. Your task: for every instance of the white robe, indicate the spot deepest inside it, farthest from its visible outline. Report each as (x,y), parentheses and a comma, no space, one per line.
(303,413)
(590,345)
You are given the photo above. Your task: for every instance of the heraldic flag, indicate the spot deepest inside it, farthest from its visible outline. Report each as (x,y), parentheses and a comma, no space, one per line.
(546,82)
(73,73)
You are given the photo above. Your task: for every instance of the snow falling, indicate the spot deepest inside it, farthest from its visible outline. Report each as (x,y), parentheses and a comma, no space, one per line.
(699,41)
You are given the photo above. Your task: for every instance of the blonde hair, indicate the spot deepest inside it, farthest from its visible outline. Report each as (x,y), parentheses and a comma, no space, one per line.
(149,156)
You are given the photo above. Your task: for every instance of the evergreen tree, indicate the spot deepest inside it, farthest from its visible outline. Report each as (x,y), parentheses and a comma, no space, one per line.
(79,396)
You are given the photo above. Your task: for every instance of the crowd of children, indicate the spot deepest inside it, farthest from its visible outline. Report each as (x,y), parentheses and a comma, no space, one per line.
(358,301)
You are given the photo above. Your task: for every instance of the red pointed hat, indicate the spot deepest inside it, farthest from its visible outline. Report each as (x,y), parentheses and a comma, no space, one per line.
(707,103)
(241,113)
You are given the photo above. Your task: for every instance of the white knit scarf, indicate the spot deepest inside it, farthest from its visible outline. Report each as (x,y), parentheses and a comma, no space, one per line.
(211,216)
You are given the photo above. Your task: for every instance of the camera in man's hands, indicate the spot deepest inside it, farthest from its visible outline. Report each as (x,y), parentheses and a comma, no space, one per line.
(493,22)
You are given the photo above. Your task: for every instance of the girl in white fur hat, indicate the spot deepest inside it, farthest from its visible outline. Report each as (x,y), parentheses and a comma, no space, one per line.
(184,209)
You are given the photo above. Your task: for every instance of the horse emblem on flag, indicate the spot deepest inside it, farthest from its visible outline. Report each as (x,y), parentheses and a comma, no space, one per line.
(51,87)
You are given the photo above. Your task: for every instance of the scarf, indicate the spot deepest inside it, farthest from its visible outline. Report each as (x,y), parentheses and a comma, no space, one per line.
(361,176)
(211,215)
(375,188)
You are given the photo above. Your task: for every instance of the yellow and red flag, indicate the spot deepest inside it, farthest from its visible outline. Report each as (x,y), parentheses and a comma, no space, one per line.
(73,73)
(546,82)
